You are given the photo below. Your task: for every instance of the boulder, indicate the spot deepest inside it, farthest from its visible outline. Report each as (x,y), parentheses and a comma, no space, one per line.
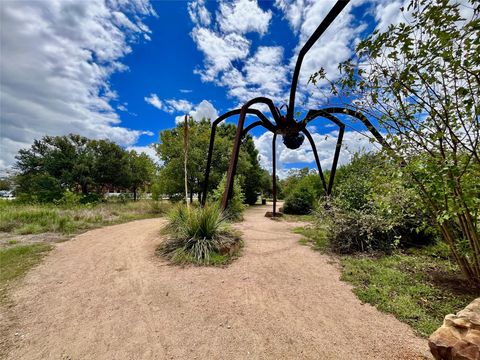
(459,336)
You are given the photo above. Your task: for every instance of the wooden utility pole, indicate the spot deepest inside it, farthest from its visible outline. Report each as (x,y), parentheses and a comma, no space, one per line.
(185,152)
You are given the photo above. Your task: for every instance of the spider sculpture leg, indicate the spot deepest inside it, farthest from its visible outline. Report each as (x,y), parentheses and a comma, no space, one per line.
(317,160)
(327,113)
(236,145)
(264,122)
(274,174)
(311,115)
(363,119)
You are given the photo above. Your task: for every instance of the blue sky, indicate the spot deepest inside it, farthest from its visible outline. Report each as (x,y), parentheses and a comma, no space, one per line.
(127,70)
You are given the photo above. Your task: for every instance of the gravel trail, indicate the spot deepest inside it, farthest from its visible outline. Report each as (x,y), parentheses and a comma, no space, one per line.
(105,295)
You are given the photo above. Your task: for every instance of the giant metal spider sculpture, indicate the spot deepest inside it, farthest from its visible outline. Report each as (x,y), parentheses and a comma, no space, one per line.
(292,131)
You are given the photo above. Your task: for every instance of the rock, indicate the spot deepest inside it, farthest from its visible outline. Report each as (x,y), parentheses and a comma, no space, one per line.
(459,336)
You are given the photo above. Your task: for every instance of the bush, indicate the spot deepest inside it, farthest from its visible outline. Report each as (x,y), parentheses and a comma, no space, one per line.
(357,231)
(92,198)
(300,201)
(235,206)
(375,208)
(199,235)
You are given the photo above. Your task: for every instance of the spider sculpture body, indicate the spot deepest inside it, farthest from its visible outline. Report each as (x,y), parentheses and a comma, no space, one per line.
(292,131)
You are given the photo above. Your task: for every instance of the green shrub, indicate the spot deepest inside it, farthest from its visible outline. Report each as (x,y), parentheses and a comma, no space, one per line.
(92,198)
(198,235)
(374,208)
(300,201)
(357,231)
(236,204)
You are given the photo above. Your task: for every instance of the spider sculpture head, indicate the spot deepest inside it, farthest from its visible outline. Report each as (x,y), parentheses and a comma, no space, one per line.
(291,132)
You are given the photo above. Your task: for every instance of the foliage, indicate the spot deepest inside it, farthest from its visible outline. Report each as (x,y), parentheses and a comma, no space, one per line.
(199,235)
(304,188)
(420,79)
(56,164)
(352,231)
(373,208)
(40,187)
(235,206)
(141,170)
(300,201)
(170,151)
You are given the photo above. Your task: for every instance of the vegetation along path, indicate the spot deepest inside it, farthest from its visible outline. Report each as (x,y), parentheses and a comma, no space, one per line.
(105,295)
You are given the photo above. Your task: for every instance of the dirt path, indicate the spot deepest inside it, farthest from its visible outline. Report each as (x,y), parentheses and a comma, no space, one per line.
(104,295)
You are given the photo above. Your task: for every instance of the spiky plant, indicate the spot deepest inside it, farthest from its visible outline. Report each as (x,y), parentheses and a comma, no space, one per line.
(199,235)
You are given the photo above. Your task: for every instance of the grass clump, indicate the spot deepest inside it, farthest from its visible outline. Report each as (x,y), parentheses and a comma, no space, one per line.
(16,261)
(199,236)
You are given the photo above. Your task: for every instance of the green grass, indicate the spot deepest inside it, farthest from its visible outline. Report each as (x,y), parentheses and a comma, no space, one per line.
(314,237)
(16,261)
(22,219)
(418,286)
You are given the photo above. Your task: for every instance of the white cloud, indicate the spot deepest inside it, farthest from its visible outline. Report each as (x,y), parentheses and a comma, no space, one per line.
(169,105)
(220,51)
(243,16)
(149,150)
(292,11)
(57,58)
(154,101)
(185,91)
(204,110)
(199,13)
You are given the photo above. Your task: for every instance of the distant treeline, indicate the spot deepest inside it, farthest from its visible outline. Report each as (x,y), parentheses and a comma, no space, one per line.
(54,165)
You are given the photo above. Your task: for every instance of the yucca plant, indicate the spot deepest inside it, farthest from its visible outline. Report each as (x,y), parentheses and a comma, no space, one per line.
(199,236)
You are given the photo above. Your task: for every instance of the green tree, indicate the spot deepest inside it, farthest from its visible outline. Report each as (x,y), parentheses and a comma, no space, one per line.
(170,151)
(141,170)
(421,81)
(66,158)
(110,165)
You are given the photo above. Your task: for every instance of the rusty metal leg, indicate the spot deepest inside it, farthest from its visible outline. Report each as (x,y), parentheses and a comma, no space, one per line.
(338,147)
(274,174)
(236,145)
(317,160)
(313,114)
(209,164)
(233,160)
(263,122)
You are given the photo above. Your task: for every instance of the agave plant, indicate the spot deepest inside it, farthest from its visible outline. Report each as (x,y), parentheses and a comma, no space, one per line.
(199,235)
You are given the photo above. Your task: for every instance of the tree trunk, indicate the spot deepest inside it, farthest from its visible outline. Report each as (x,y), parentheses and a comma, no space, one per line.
(134,193)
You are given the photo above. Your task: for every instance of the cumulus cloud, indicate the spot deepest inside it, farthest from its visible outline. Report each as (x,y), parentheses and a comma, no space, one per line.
(57,58)
(199,13)
(226,49)
(204,110)
(169,105)
(149,150)
(243,16)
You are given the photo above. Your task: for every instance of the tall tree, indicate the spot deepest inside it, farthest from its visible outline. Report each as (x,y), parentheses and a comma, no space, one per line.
(141,171)
(421,81)
(170,151)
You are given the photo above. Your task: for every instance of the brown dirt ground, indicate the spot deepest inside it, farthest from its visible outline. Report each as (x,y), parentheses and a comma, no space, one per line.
(105,295)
